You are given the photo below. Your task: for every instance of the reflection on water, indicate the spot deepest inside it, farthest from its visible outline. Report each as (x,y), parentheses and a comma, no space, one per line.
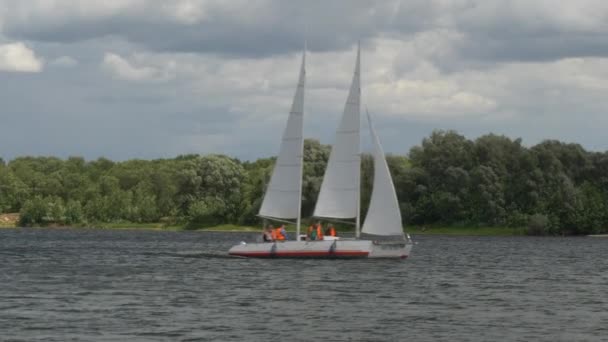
(60,285)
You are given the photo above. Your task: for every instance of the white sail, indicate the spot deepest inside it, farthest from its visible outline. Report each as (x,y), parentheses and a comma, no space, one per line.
(383,216)
(282,198)
(339,194)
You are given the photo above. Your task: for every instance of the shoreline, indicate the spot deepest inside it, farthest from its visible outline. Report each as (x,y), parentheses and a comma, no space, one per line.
(413,230)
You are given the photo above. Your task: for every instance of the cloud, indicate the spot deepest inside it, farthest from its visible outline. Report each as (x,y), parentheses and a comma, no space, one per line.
(153,78)
(121,68)
(521,30)
(235,28)
(17,57)
(64,61)
(471,32)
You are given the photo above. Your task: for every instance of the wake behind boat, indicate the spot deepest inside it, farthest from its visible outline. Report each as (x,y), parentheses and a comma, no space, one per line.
(339,196)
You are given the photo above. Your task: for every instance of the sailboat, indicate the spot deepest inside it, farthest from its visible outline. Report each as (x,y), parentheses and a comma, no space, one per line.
(382,234)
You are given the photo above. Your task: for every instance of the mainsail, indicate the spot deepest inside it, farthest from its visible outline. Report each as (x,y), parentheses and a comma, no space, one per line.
(339,194)
(283,194)
(383,216)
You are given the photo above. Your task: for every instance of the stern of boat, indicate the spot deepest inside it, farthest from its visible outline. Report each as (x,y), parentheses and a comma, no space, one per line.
(390,249)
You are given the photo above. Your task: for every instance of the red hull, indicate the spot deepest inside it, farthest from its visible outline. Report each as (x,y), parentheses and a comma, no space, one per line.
(303,254)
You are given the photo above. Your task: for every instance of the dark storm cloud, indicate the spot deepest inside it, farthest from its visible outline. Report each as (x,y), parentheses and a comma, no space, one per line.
(543,48)
(505,31)
(491,30)
(262,29)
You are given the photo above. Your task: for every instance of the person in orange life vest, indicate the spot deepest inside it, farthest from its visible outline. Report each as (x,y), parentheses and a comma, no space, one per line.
(279,234)
(319,231)
(331,231)
(273,234)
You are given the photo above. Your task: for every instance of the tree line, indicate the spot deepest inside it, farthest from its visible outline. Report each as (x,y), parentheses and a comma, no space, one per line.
(550,188)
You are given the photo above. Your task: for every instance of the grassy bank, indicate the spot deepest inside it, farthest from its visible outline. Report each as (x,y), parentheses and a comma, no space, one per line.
(458,231)
(462,231)
(161,226)
(128,225)
(145,226)
(10,221)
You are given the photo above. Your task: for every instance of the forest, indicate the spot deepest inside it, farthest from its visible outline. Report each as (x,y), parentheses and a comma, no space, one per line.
(552,188)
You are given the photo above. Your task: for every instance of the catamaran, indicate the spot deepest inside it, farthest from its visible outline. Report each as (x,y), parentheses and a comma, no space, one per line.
(382,234)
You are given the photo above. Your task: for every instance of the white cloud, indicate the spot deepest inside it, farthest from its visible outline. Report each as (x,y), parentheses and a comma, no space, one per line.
(183,11)
(17,57)
(428,100)
(186,11)
(64,61)
(121,68)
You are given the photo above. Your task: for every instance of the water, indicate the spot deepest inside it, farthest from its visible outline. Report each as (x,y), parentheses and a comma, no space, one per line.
(108,285)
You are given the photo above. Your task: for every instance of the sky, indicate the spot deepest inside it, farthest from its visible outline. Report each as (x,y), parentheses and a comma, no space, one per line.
(152,78)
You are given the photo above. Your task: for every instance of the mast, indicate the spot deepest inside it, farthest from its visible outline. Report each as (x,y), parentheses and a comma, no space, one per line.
(358,220)
(299,219)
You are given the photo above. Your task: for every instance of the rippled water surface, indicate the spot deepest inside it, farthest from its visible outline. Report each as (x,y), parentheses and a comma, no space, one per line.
(108,285)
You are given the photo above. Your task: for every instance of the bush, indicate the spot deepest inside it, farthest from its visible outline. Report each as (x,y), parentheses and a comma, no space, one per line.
(55,210)
(538,224)
(33,212)
(517,219)
(73,212)
(205,213)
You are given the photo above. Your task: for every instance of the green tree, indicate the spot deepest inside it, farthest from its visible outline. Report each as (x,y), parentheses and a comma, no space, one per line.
(487,198)
(316,156)
(33,212)
(74,213)
(13,192)
(214,183)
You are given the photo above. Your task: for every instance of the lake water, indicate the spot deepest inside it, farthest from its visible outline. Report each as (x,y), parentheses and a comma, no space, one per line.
(115,285)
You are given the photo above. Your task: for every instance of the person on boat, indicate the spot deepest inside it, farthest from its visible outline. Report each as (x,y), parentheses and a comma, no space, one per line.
(312,233)
(283,232)
(331,231)
(319,230)
(279,234)
(267,234)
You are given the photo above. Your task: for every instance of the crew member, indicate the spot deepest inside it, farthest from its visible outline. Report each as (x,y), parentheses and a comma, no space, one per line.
(319,231)
(278,234)
(283,232)
(331,231)
(273,234)
(267,234)
(312,234)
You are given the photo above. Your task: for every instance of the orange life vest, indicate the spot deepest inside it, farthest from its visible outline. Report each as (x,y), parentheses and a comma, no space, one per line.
(273,234)
(277,235)
(319,232)
(332,231)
